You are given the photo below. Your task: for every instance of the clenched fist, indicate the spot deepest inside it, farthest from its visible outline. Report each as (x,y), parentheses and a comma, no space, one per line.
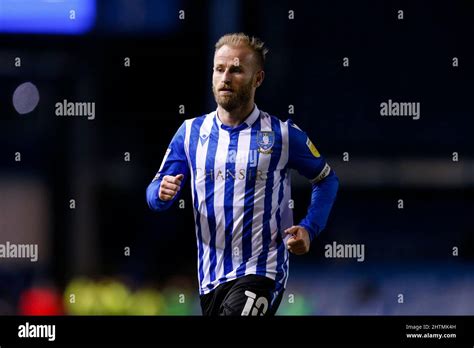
(169,187)
(299,243)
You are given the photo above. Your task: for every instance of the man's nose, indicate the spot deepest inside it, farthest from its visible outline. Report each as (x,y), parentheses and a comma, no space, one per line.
(226,77)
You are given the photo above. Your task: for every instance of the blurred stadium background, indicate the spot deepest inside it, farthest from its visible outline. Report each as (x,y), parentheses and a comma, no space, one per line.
(83,267)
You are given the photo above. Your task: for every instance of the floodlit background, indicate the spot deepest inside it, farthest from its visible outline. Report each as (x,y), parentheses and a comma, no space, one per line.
(407,186)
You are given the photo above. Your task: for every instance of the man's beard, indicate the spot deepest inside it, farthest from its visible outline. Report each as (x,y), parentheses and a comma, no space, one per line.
(235,100)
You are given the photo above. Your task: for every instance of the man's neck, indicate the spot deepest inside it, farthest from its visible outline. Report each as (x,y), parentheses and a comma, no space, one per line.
(235,117)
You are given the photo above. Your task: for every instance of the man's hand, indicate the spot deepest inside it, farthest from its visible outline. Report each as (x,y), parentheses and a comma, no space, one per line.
(169,187)
(299,243)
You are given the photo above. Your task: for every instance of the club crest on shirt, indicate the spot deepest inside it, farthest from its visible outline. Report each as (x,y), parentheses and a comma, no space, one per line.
(265,141)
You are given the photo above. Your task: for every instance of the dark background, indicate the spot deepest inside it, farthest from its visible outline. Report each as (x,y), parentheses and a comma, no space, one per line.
(408,251)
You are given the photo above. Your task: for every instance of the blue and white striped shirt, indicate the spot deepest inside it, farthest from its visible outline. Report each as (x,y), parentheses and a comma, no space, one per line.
(241,193)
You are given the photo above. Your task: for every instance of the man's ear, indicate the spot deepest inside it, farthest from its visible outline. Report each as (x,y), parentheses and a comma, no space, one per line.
(259,77)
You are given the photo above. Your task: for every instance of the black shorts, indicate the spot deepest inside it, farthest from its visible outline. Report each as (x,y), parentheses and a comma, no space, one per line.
(250,295)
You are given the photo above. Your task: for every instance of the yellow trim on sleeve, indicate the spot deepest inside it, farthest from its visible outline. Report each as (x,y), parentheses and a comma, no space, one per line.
(312,148)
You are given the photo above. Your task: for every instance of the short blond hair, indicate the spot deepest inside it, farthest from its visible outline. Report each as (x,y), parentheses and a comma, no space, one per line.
(238,39)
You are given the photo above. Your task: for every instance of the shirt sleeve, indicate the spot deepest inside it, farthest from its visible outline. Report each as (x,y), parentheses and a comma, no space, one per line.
(306,159)
(174,162)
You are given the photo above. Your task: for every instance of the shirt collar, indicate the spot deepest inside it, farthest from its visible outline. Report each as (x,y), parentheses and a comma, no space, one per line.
(248,122)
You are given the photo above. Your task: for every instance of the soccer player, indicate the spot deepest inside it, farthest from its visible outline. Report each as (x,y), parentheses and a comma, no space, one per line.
(238,159)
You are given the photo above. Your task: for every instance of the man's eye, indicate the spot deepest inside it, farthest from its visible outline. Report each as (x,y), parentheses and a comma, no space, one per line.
(218,69)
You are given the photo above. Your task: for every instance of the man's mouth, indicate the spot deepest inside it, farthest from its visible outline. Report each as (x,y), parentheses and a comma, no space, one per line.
(228,90)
